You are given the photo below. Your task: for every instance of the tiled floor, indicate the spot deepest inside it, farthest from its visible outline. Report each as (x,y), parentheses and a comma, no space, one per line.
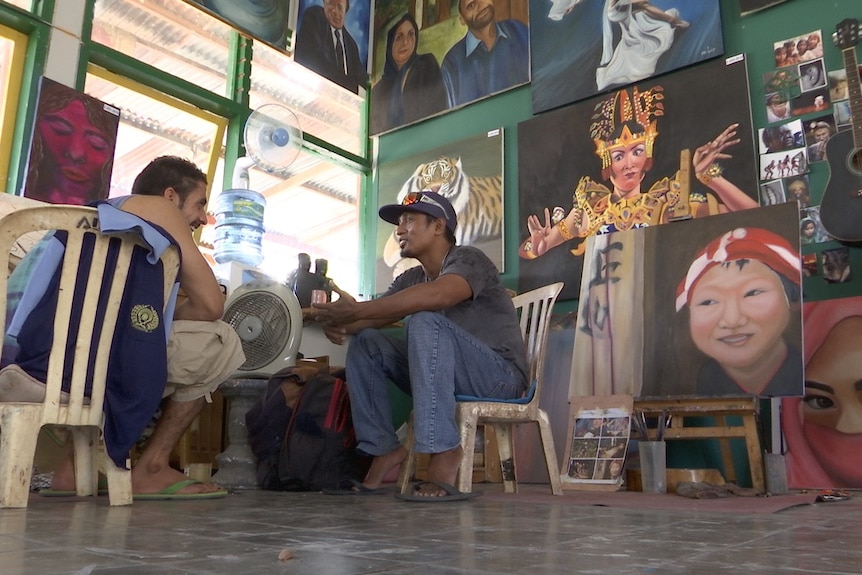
(330,535)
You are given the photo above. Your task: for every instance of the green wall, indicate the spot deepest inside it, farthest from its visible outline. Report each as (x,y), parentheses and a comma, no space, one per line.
(752,35)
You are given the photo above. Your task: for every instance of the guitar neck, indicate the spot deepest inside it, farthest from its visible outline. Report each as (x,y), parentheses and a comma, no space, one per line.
(855,91)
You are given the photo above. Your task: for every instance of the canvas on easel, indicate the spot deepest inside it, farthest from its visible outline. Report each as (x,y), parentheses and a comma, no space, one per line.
(596,442)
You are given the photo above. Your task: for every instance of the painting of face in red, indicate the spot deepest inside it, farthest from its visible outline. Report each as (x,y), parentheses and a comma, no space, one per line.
(72,150)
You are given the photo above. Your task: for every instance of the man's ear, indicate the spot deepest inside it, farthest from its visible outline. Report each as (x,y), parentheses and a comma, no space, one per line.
(171,194)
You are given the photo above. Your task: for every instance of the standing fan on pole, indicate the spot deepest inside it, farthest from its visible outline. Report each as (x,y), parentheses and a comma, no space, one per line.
(273,140)
(265,313)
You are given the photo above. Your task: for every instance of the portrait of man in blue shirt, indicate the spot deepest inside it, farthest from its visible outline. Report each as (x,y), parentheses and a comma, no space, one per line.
(492,56)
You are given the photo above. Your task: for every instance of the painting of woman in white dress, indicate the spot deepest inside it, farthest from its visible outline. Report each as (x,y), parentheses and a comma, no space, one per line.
(645,34)
(579,48)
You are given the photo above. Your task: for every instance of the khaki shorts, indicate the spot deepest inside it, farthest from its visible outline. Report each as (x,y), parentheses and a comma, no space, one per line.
(201,355)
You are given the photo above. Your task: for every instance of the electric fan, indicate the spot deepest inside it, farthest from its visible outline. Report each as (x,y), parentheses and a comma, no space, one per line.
(267,317)
(273,140)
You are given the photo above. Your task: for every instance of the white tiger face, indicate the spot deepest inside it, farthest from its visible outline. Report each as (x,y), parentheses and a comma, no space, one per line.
(443,176)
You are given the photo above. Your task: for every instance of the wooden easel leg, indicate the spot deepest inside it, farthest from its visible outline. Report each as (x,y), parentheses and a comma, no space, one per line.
(755,453)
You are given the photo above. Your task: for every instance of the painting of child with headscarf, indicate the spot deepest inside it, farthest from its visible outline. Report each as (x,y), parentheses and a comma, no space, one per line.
(697,308)
(72,149)
(584,47)
(823,428)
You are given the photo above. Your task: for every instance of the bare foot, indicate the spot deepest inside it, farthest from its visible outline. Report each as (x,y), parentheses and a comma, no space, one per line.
(679,23)
(148,479)
(64,475)
(381,465)
(443,468)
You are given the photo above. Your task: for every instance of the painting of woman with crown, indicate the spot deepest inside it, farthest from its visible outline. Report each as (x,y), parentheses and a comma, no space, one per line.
(705,165)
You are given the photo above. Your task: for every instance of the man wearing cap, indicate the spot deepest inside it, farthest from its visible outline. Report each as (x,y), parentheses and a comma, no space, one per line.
(740,291)
(462,337)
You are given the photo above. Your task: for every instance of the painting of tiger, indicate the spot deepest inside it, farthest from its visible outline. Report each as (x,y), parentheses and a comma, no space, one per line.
(477,200)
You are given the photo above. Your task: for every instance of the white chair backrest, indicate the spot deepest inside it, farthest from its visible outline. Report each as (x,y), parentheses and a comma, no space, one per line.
(534,309)
(81,225)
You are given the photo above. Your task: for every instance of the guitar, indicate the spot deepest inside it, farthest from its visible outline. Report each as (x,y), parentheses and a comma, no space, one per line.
(841,207)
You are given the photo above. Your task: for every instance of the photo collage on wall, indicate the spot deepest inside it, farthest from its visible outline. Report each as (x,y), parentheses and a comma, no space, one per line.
(806,105)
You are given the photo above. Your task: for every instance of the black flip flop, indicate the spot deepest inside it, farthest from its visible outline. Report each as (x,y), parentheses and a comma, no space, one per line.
(452,494)
(354,487)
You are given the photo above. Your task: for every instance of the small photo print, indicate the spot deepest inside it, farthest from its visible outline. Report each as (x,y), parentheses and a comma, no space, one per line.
(835,265)
(798,188)
(780,138)
(811,230)
(802,48)
(842,113)
(817,133)
(816,100)
(772,193)
(837,85)
(809,265)
(812,75)
(783,164)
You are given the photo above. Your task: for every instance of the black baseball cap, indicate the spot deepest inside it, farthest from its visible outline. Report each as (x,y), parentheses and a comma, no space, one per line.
(430,203)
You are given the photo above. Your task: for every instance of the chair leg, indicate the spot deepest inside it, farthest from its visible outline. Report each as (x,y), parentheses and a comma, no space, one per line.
(19,430)
(550,452)
(506,448)
(408,468)
(119,480)
(86,472)
(467,421)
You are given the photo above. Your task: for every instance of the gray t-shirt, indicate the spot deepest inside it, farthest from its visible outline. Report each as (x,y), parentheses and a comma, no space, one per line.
(489,316)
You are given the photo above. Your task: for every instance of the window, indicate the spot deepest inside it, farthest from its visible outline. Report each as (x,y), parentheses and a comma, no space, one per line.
(312,205)
(13,45)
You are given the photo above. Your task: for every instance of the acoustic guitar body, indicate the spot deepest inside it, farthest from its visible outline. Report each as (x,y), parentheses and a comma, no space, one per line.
(841,206)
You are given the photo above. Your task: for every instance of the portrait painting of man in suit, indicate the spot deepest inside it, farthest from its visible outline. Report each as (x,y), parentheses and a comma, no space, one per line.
(332,40)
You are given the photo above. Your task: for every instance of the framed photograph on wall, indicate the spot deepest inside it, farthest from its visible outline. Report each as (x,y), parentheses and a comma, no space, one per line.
(469,173)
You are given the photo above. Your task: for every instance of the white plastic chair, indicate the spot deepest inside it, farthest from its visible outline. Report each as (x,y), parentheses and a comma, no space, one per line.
(20,421)
(534,309)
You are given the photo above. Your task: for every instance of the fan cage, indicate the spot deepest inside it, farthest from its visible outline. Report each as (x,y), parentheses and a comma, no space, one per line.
(271,341)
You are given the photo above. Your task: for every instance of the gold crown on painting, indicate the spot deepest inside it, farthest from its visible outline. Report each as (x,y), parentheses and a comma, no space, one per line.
(641,108)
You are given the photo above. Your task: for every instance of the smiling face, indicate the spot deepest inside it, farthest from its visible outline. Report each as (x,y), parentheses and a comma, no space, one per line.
(832,405)
(403,44)
(739,311)
(193,205)
(77,151)
(476,14)
(627,168)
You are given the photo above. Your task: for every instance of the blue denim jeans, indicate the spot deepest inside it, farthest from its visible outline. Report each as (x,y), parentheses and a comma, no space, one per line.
(436,361)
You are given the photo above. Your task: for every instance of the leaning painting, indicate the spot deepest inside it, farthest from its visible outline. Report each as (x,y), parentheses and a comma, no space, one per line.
(707,307)
(470,174)
(659,151)
(823,429)
(584,47)
(265,20)
(72,148)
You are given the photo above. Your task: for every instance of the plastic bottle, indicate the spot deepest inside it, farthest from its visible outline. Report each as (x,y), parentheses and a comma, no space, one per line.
(303,282)
(321,266)
(239,227)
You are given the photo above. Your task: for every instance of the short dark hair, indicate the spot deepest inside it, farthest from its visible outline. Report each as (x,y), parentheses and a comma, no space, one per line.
(168,172)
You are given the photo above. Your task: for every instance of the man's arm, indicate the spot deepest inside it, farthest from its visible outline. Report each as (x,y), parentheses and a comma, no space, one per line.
(204,300)
(442,293)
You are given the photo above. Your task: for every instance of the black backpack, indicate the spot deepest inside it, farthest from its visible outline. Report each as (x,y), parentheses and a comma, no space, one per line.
(301,432)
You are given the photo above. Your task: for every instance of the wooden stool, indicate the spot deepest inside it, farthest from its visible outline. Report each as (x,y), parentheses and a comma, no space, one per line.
(719,408)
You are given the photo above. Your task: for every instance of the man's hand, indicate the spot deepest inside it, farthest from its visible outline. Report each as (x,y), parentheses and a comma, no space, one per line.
(340,312)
